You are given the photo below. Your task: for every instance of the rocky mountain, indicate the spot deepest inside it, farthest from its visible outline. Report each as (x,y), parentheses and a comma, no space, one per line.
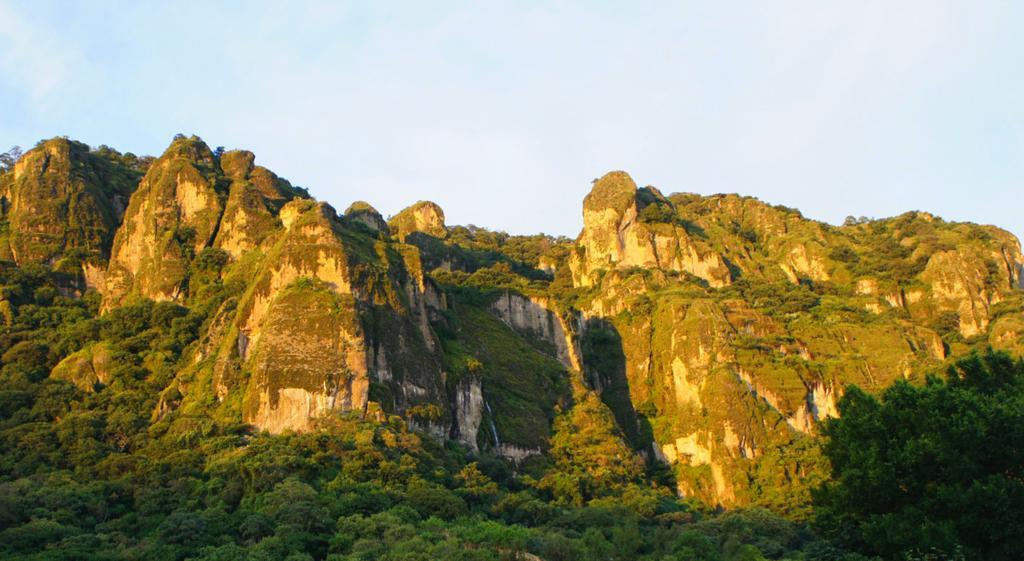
(707,335)
(740,323)
(62,203)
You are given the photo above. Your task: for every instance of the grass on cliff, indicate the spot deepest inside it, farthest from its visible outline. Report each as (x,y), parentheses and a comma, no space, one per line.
(92,475)
(522,386)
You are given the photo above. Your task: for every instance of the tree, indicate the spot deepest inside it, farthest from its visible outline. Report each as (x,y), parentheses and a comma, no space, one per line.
(933,470)
(9,158)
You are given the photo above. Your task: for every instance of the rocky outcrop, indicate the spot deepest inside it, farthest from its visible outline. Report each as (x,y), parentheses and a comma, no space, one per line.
(64,201)
(759,240)
(188,201)
(468,412)
(624,227)
(330,316)
(804,261)
(307,357)
(534,318)
(960,282)
(363,213)
(172,215)
(707,331)
(255,198)
(423,217)
(1007,333)
(86,368)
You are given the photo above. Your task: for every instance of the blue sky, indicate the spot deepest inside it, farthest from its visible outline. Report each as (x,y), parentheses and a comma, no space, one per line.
(504,112)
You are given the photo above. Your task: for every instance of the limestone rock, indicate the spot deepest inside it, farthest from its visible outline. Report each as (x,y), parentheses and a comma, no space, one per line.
(172,215)
(535,318)
(958,282)
(255,198)
(423,217)
(1007,333)
(63,199)
(624,227)
(333,320)
(365,214)
(469,410)
(308,357)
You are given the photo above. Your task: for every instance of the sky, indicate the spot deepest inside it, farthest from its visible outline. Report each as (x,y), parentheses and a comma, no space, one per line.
(504,112)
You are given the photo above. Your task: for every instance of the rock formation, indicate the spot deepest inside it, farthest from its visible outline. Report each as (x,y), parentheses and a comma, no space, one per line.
(63,203)
(172,215)
(704,332)
(368,216)
(423,217)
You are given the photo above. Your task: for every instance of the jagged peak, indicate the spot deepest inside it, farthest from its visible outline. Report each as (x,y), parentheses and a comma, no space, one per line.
(237,164)
(59,148)
(615,189)
(57,144)
(364,213)
(297,208)
(190,148)
(360,206)
(424,217)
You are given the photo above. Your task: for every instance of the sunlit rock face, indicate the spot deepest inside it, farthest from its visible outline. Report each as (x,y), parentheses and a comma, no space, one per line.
(189,201)
(63,203)
(255,198)
(172,215)
(624,227)
(710,333)
(331,314)
(364,213)
(535,317)
(731,371)
(423,217)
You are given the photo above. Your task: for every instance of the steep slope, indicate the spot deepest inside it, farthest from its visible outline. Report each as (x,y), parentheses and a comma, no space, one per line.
(331,319)
(719,370)
(188,201)
(625,227)
(424,217)
(62,203)
(709,335)
(173,215)
(255,198)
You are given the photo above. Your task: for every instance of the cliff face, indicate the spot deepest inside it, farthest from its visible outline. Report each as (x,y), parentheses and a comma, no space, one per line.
(625,227)
(711,334)
(255,198)
(172,216)
(333,320)
(62,204)
(534,317)
(423,217)
(189,201)
(325,316)
(363,213)
(712,378)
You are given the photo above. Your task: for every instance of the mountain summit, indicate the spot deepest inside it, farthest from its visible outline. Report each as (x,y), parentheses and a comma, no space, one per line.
(705,335)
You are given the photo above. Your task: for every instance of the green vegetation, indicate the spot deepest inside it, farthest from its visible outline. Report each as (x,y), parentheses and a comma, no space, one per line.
(63,208)
(522,386)
(687,346)
(932,470)
(95,475)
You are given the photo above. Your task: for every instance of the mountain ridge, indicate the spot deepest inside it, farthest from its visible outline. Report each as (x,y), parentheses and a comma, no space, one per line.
(704,333)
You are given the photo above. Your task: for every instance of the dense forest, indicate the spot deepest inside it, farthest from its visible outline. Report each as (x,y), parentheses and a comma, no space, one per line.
(201,362)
